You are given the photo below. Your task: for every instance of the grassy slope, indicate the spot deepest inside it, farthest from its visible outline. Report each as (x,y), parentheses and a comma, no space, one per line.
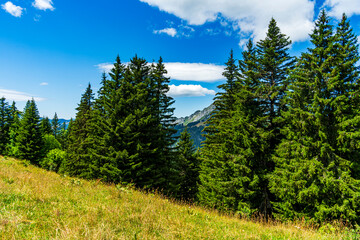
(36,204)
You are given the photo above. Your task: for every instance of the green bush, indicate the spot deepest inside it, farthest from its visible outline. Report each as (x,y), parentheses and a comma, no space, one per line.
(53,160)
(50,143)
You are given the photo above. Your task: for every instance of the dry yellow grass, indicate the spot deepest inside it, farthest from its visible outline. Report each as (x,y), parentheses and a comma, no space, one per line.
(37,204)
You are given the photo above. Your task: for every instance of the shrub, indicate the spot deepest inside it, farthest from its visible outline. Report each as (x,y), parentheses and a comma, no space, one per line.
(53,160)
(50,143)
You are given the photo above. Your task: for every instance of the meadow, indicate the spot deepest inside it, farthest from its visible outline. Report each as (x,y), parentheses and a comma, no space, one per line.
(39,204)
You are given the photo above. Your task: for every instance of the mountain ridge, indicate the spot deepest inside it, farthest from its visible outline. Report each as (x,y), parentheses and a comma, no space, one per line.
(195,124)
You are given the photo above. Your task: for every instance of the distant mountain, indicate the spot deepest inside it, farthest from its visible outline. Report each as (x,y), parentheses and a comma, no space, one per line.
(61,121)
(195,123)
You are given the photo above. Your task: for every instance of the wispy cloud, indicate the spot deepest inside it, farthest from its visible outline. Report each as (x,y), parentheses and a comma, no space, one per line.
(44,84)
(18,96)
(190,90)
(105,67)
(198,72)
(338,7)
(249,18)
(169,31)
(43,5)
(14,10)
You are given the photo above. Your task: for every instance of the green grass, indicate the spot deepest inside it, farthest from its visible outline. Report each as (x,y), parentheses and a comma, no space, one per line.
(37,204)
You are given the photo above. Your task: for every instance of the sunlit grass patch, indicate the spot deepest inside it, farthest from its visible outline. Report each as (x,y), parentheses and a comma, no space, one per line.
(37,204)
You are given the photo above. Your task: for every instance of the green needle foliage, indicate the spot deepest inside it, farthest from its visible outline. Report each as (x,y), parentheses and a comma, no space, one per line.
(283,140)
(189,164)
(14,121)
(45,125)
(314,175)
(245,128)
(4,125)
(214,174)
(29,140)
(55,126)
(79,160)
(126,134)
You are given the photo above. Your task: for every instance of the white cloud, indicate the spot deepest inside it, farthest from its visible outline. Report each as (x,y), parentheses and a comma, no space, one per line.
(14,10)
(43,4)
(169,31)
(189,91)
(198,72)
(338,7)
(249,17)
(18,96)
(44,84)
(105,67)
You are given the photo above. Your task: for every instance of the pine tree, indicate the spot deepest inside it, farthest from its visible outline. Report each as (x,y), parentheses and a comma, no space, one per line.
(133,134)
(189,167)
(313,178)
(214,167)
(55,126)
(109,150)
(45,126)
(79,160)
(14,120)
(4,125)
(146,167)
(29,140)
(273,64)
(62,136)
(164,128)
(241,141)
(348,86)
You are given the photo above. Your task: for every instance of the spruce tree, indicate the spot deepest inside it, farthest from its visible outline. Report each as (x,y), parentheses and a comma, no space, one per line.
(55,126)
(79,160)
(241,141)
(146,167)
(62,136)
(133,134)
(274,64)
(4,125)
(313,178)
(14,120)
(163,128)
(214,167)
(46,126)
(189,166)
(109,150)
(29,140)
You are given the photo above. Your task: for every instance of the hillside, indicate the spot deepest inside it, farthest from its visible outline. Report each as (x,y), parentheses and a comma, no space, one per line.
(36,204)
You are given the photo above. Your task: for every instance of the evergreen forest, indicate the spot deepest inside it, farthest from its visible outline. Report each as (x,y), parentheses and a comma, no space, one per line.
(283,141)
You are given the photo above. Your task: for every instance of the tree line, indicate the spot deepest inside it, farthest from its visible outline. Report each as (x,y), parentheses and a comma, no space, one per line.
(283,140)
(124,135)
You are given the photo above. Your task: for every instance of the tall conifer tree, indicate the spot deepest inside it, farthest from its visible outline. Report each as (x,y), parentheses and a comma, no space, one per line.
(4,125)
(235,168)
(313,176)
(215,171)
(29,140)
(55,126)
(108,149)
(14,120)
(46,126)
(189,167)
(79,160)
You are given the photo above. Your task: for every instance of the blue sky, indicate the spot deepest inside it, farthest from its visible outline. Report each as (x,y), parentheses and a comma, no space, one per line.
(51,50)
